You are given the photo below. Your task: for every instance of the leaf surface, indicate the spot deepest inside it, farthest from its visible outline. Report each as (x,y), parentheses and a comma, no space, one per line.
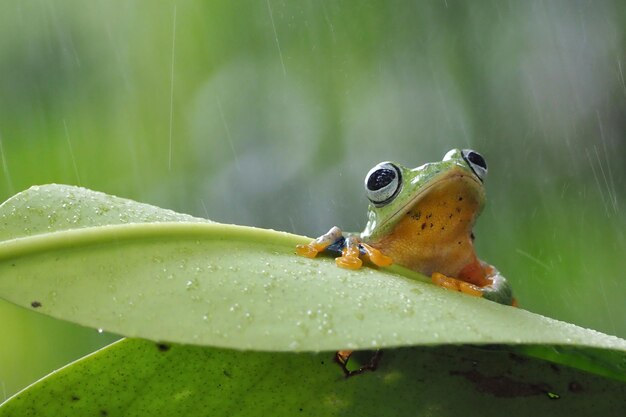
(140,378)
(141,271)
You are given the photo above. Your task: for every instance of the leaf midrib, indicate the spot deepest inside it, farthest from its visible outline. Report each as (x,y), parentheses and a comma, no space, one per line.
(63,239)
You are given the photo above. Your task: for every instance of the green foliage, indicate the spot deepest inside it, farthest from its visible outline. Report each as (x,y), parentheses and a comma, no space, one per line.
(141,271)
(140,378)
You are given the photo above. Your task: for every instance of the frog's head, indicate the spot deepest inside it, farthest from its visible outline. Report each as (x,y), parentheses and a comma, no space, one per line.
(394,190)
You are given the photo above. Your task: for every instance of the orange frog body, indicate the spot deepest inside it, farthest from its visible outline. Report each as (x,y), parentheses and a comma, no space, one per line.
(422,219)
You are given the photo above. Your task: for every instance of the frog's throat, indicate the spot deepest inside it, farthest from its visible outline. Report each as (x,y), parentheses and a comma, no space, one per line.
(391,220)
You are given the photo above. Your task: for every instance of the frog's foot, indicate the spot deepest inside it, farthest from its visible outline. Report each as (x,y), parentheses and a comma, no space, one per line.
(316,246)
(375,256)
(309,250)
(456,284)
(480,280)
(343,356)
(351,250)
(350,253)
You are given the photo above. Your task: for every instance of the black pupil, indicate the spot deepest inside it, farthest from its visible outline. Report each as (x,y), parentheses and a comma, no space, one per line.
(380,178)
(477,159)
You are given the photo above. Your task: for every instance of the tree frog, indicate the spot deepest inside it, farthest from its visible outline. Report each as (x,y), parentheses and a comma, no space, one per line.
(422,219)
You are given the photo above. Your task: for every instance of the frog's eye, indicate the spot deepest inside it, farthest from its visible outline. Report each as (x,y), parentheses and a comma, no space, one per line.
(383,183)
(476,162)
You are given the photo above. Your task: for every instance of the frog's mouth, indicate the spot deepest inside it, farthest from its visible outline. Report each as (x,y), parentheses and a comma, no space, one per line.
(455,177)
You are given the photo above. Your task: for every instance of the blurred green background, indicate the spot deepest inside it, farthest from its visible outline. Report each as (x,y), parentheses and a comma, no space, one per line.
(270,112)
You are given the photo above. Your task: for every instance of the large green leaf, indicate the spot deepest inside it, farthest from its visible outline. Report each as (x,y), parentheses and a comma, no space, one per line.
(141,271)
(141,378)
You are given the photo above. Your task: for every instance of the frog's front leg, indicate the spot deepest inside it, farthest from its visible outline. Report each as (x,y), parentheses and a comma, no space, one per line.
(350,254)
(318,245)
(350,246)
(494,286)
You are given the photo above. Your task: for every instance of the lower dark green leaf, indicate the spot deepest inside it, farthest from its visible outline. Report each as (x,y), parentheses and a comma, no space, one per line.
(142,378)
